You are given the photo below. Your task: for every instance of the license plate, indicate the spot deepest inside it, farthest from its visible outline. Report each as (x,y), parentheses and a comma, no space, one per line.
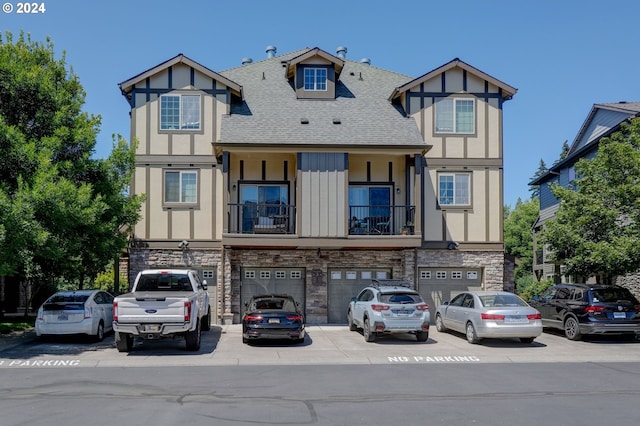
(515,319)
(619,315)
(152,328)
(274,320)
(63,317)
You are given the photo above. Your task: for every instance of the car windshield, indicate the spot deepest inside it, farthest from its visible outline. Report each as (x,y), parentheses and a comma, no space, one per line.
(400,298)
(164,282)
(273,304)
(613,295)
(501,300)
(66,302)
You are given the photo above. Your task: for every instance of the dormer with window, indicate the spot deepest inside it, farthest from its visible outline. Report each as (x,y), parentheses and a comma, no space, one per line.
(314,74)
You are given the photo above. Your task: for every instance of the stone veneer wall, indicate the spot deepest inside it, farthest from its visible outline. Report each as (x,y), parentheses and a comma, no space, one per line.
(140,259)
(402,263)
(632,282)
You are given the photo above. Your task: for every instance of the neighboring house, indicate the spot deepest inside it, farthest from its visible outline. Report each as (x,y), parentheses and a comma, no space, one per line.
(602,121)
(311,174)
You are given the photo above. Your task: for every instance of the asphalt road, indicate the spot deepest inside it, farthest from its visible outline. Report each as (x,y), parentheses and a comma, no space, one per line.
(333,378)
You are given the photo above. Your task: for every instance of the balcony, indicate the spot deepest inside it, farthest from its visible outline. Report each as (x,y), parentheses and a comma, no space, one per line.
(381,220)
(257,218)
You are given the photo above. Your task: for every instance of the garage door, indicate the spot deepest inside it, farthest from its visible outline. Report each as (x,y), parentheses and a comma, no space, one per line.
(256,281)
(345,284)
(437,285)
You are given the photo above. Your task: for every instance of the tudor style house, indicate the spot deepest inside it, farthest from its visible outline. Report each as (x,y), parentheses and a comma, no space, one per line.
(311,174)
(602,121)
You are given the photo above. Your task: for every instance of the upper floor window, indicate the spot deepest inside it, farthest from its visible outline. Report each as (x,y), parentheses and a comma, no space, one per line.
(315,79)
(180,187)
(455,115)
(453,189)
(180,112)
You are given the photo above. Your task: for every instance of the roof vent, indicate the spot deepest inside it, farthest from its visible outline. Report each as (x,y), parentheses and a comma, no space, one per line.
(365,61)
(271,51)
(341,52)
(304,121)
(246,61)
(337,121)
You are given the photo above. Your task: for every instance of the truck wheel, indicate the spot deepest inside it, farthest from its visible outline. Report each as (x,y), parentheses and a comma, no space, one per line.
(352,325)
(124,342)
(206,320)
(192,338)
(422,336)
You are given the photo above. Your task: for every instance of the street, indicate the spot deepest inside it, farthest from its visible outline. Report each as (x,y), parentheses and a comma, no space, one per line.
(334,378)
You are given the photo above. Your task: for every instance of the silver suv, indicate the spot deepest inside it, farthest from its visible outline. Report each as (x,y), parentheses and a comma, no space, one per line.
(389,306)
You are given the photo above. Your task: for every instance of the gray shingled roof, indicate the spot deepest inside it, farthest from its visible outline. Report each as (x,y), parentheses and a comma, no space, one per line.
(271,114)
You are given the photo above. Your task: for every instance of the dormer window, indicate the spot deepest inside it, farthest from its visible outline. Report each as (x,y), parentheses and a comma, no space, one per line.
(315,79)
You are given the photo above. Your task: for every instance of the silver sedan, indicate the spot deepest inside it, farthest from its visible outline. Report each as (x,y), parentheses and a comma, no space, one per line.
(491,314)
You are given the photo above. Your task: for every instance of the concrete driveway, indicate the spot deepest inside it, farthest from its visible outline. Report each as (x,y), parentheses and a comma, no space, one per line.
(324,345)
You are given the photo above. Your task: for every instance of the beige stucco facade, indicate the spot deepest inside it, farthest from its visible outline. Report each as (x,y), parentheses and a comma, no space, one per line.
(315,228)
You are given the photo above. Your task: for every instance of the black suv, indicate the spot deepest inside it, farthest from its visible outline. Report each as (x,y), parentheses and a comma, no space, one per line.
(581,309)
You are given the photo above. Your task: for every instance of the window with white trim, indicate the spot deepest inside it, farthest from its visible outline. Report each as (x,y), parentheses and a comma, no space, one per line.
(208,274)
(265,274)
(295,275)
(315,79)
(455,115)
(180,186)
(249,274)
(180,112)
(425,275)
(281,275)
(441,275)
(453,189)
(456,275)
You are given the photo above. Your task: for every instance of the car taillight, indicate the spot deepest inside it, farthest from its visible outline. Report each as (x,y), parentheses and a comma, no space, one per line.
(187,311)
(87,312)
(295,318)
(534,316)
(250,318)
(379,307)
(493,317)
(637,308)
(40,316)
(593,309)
(422,307)
(115,311)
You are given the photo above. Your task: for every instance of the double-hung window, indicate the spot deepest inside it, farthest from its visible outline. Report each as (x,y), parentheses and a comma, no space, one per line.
(180,186)
(180,112)
(455,115)
(453,189)
(315,79)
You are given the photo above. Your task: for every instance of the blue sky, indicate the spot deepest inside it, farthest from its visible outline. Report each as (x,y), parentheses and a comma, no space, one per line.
(562,55)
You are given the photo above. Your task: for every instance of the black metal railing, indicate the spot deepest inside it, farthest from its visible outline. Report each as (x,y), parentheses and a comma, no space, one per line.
(257,218)
(381,220)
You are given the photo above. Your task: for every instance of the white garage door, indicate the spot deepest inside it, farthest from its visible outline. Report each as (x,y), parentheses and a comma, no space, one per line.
(437,285)
(256,281)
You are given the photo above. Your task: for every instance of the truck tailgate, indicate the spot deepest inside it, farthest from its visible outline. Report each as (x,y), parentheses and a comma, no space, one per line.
(152,307)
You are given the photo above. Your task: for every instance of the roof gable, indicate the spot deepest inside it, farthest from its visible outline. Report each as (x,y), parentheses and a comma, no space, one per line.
(127,86)
(292,63)
(506,90)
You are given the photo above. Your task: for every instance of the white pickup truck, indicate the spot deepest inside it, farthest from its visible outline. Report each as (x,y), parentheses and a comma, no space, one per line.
(161,304)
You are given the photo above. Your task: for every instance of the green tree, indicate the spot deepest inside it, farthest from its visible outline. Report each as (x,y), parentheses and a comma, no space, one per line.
(596,231)
(63,214)
(518,239)
(542,170)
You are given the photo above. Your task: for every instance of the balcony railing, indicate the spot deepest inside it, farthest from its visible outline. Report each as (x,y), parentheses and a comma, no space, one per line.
(257,218)
(381,220)
(267,218)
